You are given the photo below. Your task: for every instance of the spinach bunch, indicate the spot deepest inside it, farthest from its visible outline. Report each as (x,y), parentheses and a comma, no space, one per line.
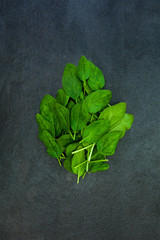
(79,127)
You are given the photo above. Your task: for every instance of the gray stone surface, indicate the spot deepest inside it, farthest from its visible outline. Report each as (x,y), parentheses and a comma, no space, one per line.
(38,199)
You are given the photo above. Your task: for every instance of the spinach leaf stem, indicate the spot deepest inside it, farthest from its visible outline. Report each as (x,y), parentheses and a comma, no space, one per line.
(89,158)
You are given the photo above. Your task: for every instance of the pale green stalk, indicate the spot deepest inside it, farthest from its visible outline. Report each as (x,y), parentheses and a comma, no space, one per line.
(59,161)
(78,179)
(89,158)
(81,149)
(74,136)
(100,160)
(71,135)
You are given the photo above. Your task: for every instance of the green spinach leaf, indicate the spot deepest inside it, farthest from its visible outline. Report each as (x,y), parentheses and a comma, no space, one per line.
(79,116)
(84,68)
(62,97)
(47,110)
(124,125)
(71,84)
(45,124)
(49,101)
(97,100)
(97,167)
(52,147)
(107,143)
(54,151)
(67,164)
(70,148)
(95,130)
(78,158)
(46,107)
(114,113)
(63,116)
(64,140)
(96,80)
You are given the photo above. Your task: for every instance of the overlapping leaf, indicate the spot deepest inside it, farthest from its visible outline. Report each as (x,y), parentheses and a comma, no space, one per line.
(47,110)
(97,100)
(95,130)
(44,124)
(52,147)
(125,124)
(107,143)
(64,140)
(63,116)
(77,159)
(97,167)
(114,113)
(67,164)
(79,116)
(62,97)
(71,83)
(70,148)
(47,107)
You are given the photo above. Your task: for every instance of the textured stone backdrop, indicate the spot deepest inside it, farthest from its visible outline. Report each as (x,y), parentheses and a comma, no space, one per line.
(38,199)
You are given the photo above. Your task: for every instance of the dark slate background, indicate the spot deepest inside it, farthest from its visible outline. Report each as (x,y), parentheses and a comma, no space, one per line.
(39,200)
